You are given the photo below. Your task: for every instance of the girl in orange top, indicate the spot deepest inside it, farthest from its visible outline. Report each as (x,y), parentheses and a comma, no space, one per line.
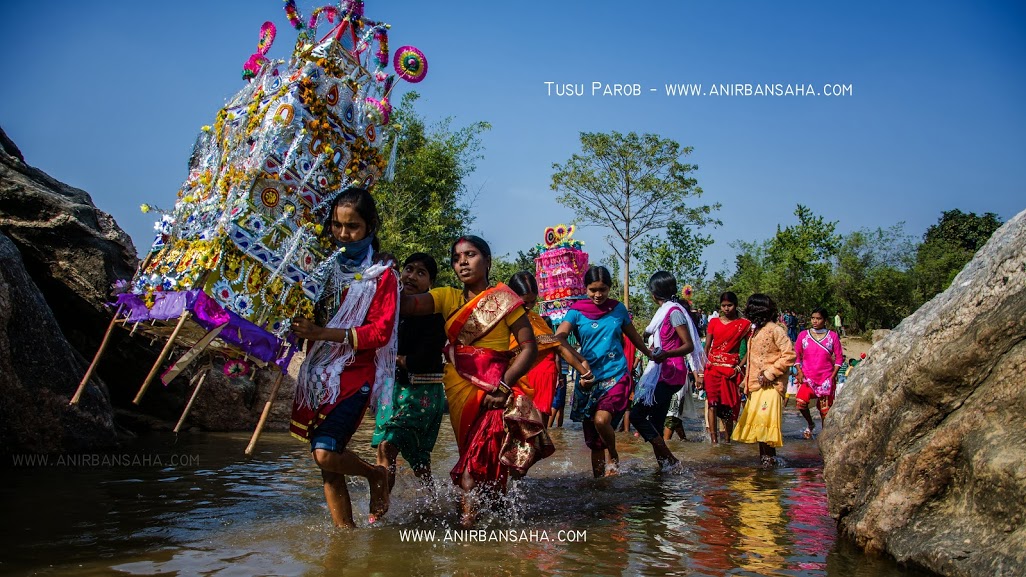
(544,374)
(770,356)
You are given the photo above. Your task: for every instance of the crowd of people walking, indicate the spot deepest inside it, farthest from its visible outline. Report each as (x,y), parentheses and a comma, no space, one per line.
(384,336)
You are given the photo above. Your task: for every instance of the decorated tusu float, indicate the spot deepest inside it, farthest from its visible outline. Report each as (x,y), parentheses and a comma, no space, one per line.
(560,268)
(243,251)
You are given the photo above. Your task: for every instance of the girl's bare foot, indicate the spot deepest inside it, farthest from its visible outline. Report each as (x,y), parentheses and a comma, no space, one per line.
(468,516)
(378,493)
(612,468)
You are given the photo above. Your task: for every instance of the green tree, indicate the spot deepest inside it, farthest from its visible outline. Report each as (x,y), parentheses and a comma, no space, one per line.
(504,267)
(872,280)
(425,206)
(947,247)
(708,291)
(800,257)
(679,252)
(751,269)
(634,185)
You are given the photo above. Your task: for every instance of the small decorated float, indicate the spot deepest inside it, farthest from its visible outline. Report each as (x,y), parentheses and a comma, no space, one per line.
(560,269)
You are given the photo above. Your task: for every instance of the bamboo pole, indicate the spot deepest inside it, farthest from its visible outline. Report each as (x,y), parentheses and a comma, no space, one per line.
(96,359)
(264,414)
(201,376)
(163,356)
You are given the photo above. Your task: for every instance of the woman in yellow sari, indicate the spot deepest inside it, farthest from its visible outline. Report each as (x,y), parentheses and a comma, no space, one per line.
(497,427)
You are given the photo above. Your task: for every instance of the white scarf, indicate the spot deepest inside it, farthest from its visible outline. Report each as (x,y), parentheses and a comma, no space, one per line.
(696,359)
(319,377)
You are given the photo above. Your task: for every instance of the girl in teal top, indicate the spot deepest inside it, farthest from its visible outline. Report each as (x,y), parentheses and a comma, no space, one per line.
(600,324)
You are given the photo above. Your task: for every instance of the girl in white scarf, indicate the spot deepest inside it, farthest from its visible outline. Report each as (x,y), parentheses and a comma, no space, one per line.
(674,337)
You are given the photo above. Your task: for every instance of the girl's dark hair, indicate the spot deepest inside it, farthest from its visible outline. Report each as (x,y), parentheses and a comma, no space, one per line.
(663,286)
(729,296)
(478,243)
(523,283)
(760,309)
(364,205)
(822,312)
(598,274)
(425,259)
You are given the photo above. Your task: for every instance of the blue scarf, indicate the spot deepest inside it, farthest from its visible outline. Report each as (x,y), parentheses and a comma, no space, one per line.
(351,259)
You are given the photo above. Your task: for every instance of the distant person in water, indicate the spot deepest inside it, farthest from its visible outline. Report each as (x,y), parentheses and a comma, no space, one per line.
(566,376)
(819,357)
(409,424)
(724,372)
(601,323)
(770,355)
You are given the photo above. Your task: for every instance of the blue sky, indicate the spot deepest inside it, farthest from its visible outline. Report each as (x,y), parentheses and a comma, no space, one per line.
(110,96)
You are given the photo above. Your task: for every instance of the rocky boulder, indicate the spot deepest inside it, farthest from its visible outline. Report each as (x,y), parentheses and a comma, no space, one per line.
(880,334)
(925,448)
(74,252)
(39,371)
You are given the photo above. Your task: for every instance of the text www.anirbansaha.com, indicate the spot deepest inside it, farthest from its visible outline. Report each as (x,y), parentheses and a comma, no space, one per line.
(492,536)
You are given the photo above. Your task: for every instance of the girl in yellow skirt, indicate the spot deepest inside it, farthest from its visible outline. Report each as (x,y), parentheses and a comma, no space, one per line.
(770,357)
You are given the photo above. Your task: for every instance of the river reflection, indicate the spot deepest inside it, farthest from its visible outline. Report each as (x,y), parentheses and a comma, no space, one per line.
(221,513)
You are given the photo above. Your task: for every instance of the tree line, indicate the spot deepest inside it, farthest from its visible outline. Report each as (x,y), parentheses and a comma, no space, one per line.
(640,188)
(873,277)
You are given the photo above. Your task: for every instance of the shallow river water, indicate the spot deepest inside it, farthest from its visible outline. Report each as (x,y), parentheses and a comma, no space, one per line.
(195,505)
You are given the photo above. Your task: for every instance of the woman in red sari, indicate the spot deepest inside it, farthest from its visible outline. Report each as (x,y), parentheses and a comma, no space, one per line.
(496,425)
(723,371)
(543,376)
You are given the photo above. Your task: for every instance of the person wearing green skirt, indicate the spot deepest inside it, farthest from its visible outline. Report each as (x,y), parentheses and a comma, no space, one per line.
(408,425)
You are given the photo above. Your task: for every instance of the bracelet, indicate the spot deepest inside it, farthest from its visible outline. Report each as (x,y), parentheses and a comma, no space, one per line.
(502,386)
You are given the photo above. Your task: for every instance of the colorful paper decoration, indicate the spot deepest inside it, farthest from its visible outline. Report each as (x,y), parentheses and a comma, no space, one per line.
(246,229)
(410,64)
(560,269)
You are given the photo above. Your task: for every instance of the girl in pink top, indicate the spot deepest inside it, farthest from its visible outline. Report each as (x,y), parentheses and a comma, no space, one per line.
(819,356)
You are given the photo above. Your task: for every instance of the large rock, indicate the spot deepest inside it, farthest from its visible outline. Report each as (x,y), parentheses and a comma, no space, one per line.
(925,449)
(39,372)
(74,252)
(880,334)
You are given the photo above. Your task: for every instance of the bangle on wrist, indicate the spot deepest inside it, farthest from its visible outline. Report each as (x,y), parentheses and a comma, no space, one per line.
(504,388)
